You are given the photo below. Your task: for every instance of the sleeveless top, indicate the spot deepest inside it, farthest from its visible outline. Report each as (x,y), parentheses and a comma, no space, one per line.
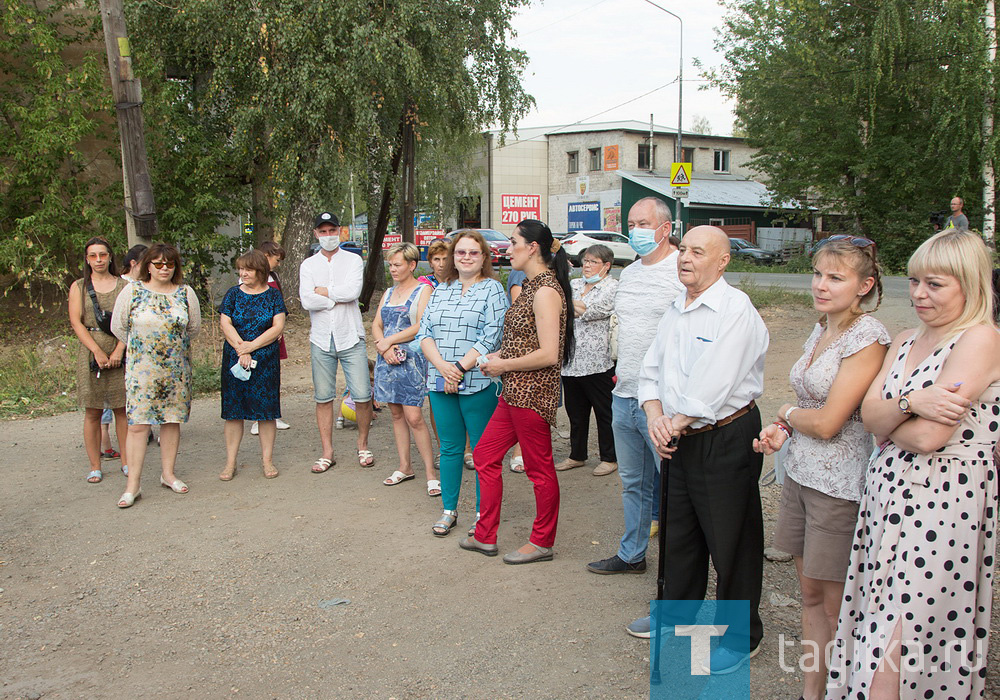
(537,389)
(836,466)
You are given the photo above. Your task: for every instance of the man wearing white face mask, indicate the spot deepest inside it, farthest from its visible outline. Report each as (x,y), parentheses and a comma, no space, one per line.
(646,290)
(329,287)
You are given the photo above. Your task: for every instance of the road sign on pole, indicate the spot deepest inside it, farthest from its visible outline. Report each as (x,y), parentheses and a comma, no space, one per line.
(680,174)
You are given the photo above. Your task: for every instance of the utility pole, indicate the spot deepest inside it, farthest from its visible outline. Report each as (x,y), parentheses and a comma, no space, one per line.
(127,91)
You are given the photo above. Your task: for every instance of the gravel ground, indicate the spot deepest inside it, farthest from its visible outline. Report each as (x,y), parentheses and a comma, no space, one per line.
(229,591)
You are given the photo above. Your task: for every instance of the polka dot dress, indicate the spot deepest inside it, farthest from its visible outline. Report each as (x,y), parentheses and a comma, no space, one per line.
(923,556)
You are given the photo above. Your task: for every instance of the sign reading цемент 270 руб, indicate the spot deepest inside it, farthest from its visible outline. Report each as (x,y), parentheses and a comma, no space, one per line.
(515,208)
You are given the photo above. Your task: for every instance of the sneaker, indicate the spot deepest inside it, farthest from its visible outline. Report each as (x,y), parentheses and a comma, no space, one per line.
(641,628)
(722,660)
(281,425)
(254,429)
(615,565)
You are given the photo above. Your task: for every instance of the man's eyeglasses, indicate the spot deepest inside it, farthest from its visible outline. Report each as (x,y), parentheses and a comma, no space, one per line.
(160,264)
(468,253)
(856,241)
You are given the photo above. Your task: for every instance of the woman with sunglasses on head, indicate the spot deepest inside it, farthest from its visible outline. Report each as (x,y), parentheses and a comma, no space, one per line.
(537,340)
(915,619)
(828,445)
(100,377)
(462,322)
(156,317)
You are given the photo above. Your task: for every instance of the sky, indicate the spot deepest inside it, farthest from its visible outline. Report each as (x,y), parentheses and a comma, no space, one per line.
(590,56)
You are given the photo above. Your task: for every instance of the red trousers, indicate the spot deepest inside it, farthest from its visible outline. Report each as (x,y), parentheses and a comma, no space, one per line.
(508,426)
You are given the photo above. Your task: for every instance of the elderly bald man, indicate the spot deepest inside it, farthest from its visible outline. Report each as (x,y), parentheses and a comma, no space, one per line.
(698,385)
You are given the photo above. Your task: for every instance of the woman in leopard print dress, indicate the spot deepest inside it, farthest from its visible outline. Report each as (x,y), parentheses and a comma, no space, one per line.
(537,340)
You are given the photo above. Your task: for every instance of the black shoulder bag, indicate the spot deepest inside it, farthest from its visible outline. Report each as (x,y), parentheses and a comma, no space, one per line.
(103,319)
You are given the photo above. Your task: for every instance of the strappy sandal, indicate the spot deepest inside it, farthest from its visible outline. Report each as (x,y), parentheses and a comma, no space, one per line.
(445,523)
(270,471)
(322,464)
(472,530)
(227,474)
(95,477)
(366,458)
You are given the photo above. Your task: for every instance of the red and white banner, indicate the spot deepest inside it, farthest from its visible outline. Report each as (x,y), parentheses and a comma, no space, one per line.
(514,208)
(424,236)
(391,239)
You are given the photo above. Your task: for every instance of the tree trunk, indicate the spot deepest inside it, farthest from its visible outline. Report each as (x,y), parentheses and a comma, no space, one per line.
(374,271)
(296,240)
(989,177)
(409,146)
(262,203)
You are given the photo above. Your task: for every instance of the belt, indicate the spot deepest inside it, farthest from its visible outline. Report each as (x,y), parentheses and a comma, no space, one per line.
(722,421)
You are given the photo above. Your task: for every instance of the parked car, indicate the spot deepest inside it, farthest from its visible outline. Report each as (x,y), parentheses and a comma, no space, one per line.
(578,241)
(497,242)
(739,248)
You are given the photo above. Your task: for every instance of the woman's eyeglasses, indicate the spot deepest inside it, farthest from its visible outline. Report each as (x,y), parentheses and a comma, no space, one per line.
(468,253)
(98,256)
(160,264)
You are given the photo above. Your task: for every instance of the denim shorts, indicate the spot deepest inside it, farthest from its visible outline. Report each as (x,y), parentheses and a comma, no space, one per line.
(324,372)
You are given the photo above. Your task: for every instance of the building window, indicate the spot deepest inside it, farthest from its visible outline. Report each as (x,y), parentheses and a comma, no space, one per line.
(687,156)
(573,162)
(595,158)
(721,162)
(645,162)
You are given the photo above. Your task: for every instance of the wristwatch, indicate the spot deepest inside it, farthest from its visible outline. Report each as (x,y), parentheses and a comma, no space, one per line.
(904,402)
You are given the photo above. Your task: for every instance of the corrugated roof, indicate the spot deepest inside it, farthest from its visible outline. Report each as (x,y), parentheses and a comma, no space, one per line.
(720,191)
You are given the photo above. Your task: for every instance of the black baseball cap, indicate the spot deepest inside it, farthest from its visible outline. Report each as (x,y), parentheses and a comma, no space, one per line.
(326,218)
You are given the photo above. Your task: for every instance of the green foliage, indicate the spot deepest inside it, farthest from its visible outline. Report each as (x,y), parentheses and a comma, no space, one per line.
(873,110)
(762,297)
(54,111)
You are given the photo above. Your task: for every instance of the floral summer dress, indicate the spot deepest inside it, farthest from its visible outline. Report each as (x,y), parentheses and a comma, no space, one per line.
(157,330)
(923,555)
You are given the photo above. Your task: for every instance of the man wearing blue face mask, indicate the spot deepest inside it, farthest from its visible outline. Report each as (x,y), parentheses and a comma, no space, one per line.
(329,287)
(646,290)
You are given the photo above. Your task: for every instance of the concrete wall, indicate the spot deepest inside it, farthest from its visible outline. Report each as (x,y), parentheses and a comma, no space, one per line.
(516,167)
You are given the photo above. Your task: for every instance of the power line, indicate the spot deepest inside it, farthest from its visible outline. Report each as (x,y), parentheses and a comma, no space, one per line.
(563,19)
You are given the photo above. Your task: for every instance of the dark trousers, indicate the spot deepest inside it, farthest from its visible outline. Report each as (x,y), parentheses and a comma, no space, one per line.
(580,394)
(713,509)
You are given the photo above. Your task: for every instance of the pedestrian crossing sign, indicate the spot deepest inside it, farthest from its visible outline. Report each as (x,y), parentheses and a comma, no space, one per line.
(680,174)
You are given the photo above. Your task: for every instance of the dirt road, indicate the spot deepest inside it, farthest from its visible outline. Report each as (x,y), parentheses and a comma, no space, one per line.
(229,591)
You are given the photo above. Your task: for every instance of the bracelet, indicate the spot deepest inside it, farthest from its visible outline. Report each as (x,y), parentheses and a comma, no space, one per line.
(788,413)
(460,367)
(784,428)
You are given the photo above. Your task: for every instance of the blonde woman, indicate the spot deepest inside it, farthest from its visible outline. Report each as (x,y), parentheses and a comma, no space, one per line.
(921,570)
(400,372)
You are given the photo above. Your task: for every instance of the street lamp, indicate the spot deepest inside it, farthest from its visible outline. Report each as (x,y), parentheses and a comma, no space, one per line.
(680,80)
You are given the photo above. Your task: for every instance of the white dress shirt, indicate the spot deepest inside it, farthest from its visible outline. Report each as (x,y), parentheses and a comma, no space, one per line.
(707,360)
(337,317)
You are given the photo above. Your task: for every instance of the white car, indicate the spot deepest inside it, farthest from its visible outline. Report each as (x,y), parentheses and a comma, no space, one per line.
(576,242)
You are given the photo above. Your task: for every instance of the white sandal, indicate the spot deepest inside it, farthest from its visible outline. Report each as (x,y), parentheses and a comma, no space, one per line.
(398,477)
(128,499)
(433,485)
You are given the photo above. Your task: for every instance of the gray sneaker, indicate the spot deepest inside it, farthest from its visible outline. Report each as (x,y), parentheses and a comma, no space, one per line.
(641,628)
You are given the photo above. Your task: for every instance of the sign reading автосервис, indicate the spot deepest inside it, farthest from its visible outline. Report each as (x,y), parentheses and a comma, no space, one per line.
(515,208)
(583,216)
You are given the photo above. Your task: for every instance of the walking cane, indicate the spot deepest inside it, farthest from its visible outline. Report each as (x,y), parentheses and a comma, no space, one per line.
(660,568)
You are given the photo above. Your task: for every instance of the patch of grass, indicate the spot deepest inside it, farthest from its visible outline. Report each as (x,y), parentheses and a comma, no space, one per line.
(763,297)
(38,380)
